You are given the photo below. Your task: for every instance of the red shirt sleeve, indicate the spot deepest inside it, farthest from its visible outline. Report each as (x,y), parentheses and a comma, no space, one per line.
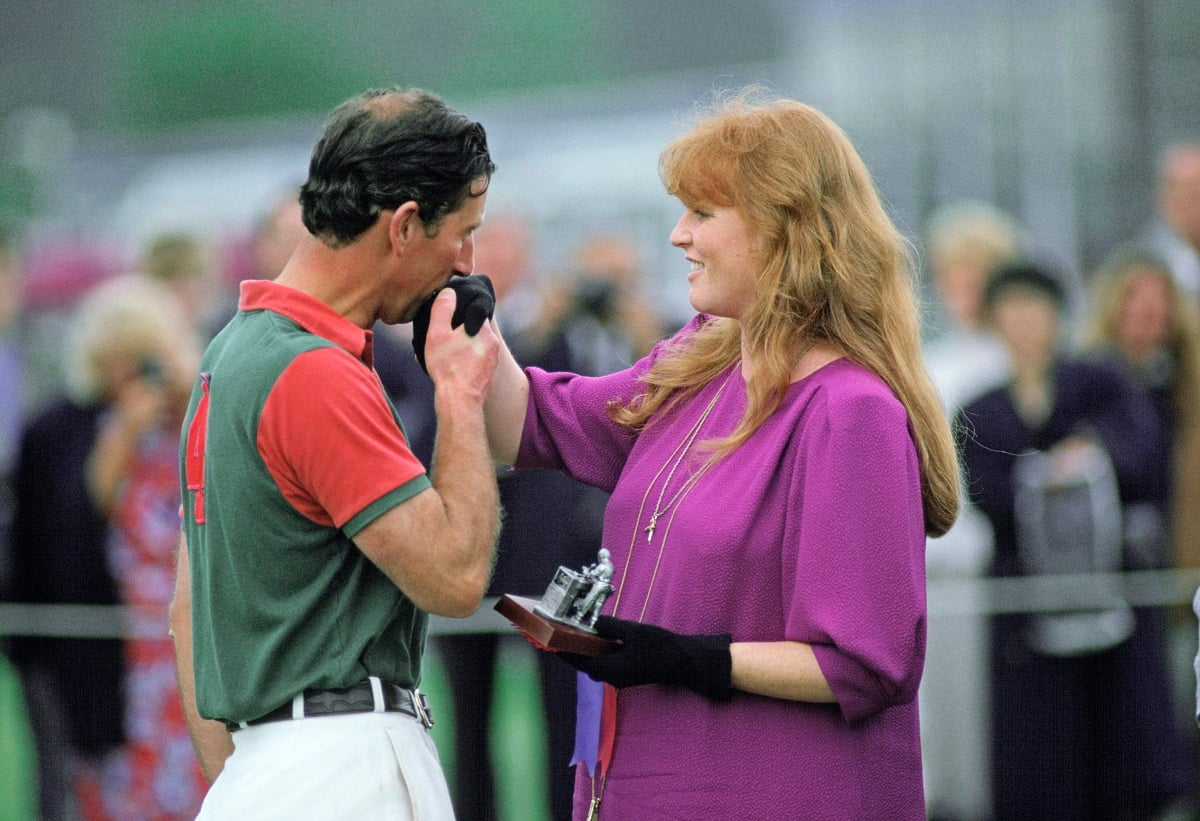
(330,439)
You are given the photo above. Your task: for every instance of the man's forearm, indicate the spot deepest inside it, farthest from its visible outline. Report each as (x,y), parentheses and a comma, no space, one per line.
(211,739)
(465,478)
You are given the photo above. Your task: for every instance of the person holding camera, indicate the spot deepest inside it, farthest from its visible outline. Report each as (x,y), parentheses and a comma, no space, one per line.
(96,523)
(132,480)
(597,319)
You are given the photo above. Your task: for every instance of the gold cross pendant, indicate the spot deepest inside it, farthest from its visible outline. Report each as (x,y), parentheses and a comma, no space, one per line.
(650,527)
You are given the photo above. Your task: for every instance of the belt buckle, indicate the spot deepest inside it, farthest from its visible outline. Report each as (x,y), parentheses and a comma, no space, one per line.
(421,705)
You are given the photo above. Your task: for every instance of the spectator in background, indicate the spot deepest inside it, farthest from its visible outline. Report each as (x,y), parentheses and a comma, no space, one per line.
(1080,698)
(59,556)
(598,315)
(260,256)
(965,242)
(133,478)
(57,272)
(184,265)
(516,272)
(1143,322)
(277,235)
(1175,232)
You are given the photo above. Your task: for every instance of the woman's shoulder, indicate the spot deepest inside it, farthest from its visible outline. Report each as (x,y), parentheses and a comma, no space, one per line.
(846,380)
(850,394)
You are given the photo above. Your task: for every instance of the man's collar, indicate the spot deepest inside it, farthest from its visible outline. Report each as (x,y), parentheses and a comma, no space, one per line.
(309,312)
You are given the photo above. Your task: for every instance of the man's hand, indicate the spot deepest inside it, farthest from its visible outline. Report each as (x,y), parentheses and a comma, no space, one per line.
(438,546)
(460,365)
(475,306)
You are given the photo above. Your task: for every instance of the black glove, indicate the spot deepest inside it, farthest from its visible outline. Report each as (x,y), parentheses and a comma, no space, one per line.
(653,655)
(476,304)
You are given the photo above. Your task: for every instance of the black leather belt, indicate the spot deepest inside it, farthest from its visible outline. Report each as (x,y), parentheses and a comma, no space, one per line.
(363,697)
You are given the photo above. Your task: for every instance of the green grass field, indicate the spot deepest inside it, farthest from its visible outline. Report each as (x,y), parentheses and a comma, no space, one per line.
(518,731)
(18,785)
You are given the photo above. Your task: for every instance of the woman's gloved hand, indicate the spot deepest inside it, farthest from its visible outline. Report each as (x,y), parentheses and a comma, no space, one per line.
(648,654)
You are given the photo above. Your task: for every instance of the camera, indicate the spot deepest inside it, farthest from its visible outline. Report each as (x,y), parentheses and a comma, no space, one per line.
(596,298)
(151,370)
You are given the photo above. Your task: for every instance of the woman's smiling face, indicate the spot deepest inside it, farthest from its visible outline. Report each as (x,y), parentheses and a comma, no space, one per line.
(722,250)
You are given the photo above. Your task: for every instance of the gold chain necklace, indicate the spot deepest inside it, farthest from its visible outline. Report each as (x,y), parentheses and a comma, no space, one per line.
(680,453)
(675,459)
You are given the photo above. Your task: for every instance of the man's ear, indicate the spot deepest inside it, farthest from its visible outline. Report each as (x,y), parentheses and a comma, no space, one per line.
(404,226)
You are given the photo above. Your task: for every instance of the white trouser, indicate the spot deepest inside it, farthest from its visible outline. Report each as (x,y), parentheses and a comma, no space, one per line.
(358,766)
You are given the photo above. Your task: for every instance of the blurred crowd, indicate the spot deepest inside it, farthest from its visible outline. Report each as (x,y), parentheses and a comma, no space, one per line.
(1076,402)
(1075,397)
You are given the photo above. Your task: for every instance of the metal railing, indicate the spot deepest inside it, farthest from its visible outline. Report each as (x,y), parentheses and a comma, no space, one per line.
(947,597)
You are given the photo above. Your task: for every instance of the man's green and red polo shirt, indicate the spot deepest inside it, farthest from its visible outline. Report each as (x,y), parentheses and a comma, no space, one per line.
(290,448)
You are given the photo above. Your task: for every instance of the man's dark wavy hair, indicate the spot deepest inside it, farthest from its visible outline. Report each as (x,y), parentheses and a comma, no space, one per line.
(385,147)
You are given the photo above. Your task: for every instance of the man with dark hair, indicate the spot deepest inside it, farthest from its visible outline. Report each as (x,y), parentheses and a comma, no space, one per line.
(314,543)
(370,158)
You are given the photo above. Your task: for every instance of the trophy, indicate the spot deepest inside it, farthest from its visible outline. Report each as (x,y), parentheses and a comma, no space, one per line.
(565,617)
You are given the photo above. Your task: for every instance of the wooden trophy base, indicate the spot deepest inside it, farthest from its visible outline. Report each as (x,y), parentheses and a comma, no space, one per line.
(549,633)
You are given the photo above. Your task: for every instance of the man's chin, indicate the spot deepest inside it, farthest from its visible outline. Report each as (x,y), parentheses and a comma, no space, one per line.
(410,312)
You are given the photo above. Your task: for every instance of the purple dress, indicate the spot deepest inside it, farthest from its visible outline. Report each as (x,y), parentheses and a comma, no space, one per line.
(811,531)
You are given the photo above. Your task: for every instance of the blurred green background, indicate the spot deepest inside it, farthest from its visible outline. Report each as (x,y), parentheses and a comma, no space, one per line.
(518,731)
(1053,110)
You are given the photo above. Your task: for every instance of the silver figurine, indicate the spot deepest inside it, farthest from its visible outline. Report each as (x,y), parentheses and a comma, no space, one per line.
(576,597)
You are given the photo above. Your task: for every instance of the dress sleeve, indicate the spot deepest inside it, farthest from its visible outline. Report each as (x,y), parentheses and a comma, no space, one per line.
(859,571)
(567,426)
